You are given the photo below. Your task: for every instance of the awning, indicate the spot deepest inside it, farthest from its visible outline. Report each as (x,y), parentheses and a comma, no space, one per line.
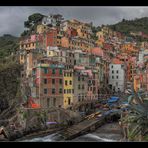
(113,99)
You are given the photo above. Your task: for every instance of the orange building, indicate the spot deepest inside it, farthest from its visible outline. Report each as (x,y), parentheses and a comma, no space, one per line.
(100,40)
(138,82)
(77,43)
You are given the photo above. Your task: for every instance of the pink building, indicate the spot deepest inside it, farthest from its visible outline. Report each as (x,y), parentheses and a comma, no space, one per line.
(93,85)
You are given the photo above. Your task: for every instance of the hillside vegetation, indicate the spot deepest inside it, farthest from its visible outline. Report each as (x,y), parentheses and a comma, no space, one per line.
(136,25)
(9,71)
(8,45)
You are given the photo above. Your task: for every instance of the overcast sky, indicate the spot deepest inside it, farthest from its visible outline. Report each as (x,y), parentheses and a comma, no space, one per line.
(12,18)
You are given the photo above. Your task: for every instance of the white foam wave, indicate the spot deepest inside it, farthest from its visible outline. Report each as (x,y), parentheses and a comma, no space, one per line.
(99,138)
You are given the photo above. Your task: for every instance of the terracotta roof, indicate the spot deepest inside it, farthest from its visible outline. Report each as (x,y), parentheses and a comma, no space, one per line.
(116,61)
(97,51)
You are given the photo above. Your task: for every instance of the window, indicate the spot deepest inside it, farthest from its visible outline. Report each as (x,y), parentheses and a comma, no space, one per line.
(60,90)
(112,66)
(45,70)
(82,78)
(82,98)
(89,81)
(78,78)
(112,77)
(70,82)
(53,81)
(117,71)
(53,71)
(70,74)
(60,71)
(60,81)
(21,57)
(45,90)
(112,71)
(45,81)
(54,102)
(94,90)
(94,76)
(116,83)
(53,90)
(93,82)
(117,77)
(74,62)
(70,91)
(83,86)
(65,91)
(79,86)
(90,88)
(79,98)
(69,100)
(65,82)
(65,74)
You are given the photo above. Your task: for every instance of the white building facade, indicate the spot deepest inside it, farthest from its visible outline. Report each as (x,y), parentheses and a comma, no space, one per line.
(117,77)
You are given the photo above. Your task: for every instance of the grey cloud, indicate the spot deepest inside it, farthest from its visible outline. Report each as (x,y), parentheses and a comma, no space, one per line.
(12,18)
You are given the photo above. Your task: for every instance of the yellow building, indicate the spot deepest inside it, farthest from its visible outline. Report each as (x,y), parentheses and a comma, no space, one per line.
(77,43)
(75,24)
(52,52)
(100,34)
(22,58)
(42,28)
(100,40)
(83,32)
(27,45)
(68,88)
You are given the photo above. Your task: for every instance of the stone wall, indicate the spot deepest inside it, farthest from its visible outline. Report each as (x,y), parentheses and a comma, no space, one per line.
(40,117)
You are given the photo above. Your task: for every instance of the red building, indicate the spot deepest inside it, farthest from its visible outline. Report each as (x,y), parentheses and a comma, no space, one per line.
(48,83)
(51,38)
(107,46)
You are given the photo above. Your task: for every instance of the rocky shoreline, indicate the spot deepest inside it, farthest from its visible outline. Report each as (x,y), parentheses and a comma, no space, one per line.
(38,134)
(16,138)
(110,132)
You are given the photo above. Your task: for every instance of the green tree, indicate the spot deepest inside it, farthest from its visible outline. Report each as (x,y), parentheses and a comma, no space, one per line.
(137,117)
(31,23)
(33,19)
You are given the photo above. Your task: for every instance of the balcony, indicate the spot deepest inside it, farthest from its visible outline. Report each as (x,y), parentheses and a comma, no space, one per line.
(43,65)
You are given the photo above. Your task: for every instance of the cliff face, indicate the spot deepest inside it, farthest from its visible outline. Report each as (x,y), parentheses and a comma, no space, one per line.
(9,85)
